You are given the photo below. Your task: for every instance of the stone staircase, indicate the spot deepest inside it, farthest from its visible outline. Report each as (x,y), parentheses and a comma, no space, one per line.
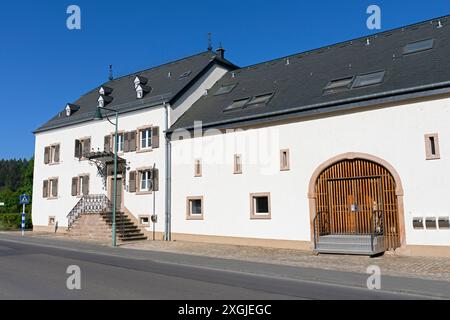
(350,244)
(125,228)
(91,219)
(98,227)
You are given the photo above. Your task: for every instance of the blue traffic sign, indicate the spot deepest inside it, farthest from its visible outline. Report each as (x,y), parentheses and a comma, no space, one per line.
(24,199)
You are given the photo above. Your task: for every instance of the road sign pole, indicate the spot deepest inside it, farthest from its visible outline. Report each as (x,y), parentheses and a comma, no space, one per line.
(23,220)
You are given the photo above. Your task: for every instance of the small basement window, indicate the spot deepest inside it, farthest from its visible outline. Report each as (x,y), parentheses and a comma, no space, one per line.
(369,79)
(338,85)
(418,46)
(237,104)
(144,220)
(432,147)
(194,210)
(260,206)
(225,89)
(51,221)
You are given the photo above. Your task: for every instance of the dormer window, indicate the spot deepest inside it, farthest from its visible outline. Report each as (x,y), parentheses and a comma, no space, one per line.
(104,100)
(142,90)
(140,81)
(71,109)
(105,91)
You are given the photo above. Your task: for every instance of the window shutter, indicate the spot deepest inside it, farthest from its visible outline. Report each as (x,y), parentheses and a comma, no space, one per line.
(55,188)
(107,145)
(126,143)
(85,185)
(155,137)
(47,155)
(133,145)
(86,147)
(155,177)
(45,189)
(132,182)
(77,149)
(74,187)
(57,149)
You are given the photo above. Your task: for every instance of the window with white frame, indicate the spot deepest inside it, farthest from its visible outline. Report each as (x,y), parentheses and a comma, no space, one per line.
(194,208)
(260,206)
(146,181)
(120,142)
(52,154)
(146,139)
(50,188)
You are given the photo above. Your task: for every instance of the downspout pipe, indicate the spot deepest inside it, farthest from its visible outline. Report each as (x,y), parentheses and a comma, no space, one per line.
(168,166)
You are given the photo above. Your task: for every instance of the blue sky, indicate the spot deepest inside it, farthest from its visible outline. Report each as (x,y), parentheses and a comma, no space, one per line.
(43,65)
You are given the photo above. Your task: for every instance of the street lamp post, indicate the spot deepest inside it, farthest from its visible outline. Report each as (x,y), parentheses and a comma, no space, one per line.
(99,116)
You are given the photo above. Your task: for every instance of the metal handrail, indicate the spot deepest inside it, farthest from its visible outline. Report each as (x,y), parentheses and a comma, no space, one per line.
(317,224)
(89,204)
(375,232)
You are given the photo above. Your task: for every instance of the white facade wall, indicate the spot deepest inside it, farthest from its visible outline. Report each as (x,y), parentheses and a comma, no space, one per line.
(70,167)
(395,134)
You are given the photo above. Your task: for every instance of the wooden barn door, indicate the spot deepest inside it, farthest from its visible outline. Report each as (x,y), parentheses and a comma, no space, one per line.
(351,192)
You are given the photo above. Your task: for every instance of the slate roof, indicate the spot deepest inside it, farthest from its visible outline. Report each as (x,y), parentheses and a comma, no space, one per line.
(298,81)
(164,89)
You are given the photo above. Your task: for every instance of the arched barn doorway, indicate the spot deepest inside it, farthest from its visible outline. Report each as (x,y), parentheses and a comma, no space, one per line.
(356,208)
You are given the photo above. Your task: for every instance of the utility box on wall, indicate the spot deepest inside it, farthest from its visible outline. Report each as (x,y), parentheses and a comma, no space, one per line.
(430,222)
(418,223)
(444,223)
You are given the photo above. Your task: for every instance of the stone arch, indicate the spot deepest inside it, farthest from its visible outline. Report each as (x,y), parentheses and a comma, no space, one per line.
(363,156)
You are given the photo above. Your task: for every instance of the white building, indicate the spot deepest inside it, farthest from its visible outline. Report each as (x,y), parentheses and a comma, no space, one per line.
(343,149)
(147,102)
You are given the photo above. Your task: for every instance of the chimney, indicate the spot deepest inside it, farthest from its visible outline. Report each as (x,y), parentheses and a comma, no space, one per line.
(220,52)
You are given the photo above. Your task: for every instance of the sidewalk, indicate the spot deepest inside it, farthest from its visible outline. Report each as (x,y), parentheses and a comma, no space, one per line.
(427,268)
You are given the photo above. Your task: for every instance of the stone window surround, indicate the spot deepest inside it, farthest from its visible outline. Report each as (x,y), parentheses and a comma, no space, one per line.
(138,181)
(79,186)
(50,196)
(139,140)
(429,153)
(253,214)
(237,158)
(51,155)
(112,134)
(81,141)
(198,168)
(50,223)
(189,215)
(286,167)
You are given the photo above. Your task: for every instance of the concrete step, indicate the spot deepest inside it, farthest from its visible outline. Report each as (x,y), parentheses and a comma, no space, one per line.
(348,244)
(137,238)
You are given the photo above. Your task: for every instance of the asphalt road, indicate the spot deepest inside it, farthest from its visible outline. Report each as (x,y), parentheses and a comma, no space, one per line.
(32,268)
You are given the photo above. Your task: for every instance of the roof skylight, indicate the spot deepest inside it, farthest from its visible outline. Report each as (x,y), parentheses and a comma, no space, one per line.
(339,85)
(369,79)
(261,99)
(418,46)
(225,89)
(237,104)
(185,75)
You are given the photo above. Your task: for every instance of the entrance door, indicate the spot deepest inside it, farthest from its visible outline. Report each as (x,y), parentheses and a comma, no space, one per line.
(348,194)
(119,192)
(355,205)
